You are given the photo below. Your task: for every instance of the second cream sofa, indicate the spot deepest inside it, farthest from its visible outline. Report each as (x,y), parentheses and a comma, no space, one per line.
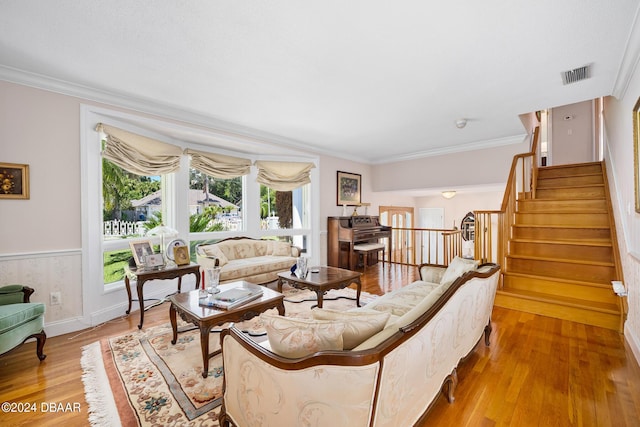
(253,260)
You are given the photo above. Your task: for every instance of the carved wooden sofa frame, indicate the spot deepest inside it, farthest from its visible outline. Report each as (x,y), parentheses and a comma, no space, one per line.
(247,363)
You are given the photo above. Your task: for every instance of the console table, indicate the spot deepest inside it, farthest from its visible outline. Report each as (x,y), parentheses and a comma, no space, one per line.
(141,275)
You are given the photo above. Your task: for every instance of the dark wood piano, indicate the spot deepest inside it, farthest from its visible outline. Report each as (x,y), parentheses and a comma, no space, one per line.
(346,231)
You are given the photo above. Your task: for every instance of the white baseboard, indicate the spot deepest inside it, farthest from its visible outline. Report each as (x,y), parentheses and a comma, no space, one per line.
(633,341)
(106,314)
(61,327)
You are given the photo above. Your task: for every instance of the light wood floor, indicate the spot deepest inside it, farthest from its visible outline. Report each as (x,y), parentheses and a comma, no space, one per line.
(538,371)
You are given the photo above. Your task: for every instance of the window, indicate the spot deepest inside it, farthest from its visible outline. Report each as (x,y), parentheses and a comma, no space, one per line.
(131,205)
(163,195)
(215,204)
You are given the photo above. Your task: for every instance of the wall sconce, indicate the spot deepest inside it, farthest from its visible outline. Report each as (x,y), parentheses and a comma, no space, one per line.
(448,194)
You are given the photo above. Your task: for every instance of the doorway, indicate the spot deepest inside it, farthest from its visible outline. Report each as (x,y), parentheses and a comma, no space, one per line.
(402,241)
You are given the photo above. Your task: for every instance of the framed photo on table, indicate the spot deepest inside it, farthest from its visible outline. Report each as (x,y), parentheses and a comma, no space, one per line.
(181,255)
(140,250)
(349,188)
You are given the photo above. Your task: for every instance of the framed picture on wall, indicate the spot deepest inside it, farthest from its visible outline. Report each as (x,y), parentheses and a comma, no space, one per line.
(636,154)
(14,181)
(349,188)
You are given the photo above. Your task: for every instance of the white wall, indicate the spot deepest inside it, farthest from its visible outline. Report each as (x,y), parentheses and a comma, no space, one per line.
(572,134)
(619,161)
(487,166)
(41,236)
(41,129)
(457,207)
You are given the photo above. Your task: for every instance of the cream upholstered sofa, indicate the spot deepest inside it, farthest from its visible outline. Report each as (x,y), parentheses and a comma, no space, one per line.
(242,258)
(388,378)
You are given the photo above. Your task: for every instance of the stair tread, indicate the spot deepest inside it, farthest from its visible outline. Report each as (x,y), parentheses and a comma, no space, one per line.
(569,166)
(568,301)
(542,200)
(568,261)
(571,175)
(575,242)
(565,211)
(572,226)
(557,279)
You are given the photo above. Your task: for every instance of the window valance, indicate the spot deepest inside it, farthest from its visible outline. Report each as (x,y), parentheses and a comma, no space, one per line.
(138,154)
(219,165)
(283,176)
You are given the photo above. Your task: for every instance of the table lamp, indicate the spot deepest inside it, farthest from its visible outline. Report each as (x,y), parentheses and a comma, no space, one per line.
(163,231)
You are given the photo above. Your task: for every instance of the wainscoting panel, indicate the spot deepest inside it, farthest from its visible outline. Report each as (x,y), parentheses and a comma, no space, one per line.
(47,272)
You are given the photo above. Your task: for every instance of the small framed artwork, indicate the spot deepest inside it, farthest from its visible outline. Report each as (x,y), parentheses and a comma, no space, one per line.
(349,189)
(181,255)
(14,181)
(636,154)
(141,249)
(153,261)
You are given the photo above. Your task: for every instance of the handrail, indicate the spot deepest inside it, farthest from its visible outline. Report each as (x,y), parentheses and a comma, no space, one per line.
(520,183)
(415,246)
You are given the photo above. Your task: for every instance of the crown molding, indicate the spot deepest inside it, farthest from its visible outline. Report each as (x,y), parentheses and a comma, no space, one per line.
(142,105)
(629,60)
(152,107)
(472,146)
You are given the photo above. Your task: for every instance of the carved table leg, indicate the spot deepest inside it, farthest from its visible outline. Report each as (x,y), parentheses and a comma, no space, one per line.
(127,285)
(139,285)
(204,344)
(320,295)
(280,308)
(174,323)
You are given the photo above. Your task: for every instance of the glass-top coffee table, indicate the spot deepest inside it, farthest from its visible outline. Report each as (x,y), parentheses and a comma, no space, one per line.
(187,305)
(323,280)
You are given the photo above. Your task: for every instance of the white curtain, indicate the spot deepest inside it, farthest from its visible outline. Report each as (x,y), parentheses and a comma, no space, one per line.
(138,154)
(283,176)
(219,165)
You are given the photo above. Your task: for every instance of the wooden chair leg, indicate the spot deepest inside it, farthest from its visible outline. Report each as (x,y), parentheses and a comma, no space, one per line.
(41,339)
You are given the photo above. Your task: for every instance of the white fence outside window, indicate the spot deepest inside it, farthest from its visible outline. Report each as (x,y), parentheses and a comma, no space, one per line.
(117,228)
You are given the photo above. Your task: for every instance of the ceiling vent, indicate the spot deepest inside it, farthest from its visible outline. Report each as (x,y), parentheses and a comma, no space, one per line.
(576,75)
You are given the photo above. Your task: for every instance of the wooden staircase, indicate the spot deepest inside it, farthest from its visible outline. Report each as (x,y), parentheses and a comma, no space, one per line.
(561,254)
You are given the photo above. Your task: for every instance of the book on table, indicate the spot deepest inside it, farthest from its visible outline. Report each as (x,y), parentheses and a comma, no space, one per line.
(232,297)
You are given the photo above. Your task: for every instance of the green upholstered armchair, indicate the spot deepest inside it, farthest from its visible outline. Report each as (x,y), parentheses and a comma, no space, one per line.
(20,319)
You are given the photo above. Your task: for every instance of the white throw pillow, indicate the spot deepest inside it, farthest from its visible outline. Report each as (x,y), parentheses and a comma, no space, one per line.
(214,251)
(457,268)
(359,325)
(293,338)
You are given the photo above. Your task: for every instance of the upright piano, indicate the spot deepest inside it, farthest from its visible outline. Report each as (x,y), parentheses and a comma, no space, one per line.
(346,231)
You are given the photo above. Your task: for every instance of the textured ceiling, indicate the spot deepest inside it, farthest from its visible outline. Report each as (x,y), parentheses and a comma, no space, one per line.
(375,80)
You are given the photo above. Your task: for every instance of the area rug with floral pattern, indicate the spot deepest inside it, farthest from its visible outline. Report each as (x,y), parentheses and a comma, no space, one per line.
(141,379)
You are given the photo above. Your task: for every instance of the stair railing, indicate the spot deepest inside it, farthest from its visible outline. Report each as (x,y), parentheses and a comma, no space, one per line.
(493,228)
(414,246)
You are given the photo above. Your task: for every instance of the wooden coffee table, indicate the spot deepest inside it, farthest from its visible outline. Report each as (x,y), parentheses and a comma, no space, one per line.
(325,279)
(205,318)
